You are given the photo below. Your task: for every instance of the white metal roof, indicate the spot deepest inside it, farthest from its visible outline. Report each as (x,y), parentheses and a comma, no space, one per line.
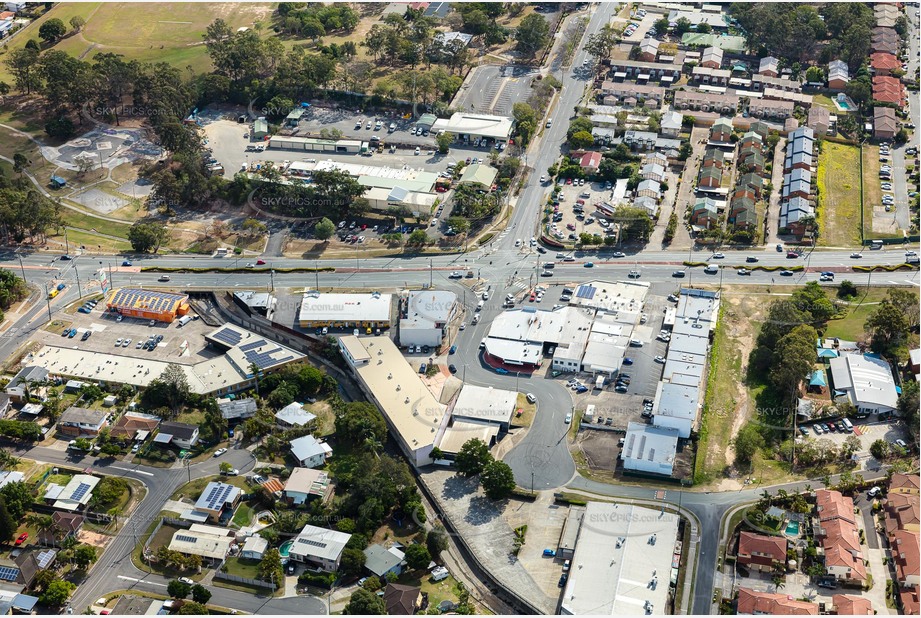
(650,443)
(485,404)
(295,414)
(482,125)
(322,307)
(320,543)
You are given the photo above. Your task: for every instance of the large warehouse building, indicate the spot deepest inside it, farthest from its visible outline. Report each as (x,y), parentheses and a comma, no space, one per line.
(345,310)
(148,304)
(472,126)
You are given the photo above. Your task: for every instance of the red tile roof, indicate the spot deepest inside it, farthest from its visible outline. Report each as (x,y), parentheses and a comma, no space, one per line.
(832,505)
(852,605)
(905,483)
(883,61)
(751,602)
(902,510)
(906,553)
(911,605)
(840,537)
(590,159)
(773,546)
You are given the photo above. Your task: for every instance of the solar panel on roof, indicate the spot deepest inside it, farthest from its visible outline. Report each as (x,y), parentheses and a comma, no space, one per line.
(586,291)
(9,574)
(228,336)
(81,491)
(44,558)
(253,345)
(186,539)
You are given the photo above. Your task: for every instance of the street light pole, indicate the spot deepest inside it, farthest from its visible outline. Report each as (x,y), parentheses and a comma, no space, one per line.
(48,300)
(23,268)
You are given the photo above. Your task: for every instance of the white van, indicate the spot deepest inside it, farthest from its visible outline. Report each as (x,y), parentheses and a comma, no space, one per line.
(712,269)
(439,573)
(479,305)
(847,423)
(184,320)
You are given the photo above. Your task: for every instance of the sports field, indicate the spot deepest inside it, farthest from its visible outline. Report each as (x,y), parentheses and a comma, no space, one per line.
(148,31)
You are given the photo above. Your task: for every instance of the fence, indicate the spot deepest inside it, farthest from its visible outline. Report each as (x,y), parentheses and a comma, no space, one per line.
(164,520)
(244,580)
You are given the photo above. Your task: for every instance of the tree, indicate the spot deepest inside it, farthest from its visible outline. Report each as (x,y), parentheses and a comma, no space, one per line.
(747,442)
(498,480)
(353,561)
(436,541)
(661,25)
(581,140)
(191,608)
(533,34)
(8,525)
(909,404)
(270,567)
(200,594)
(52,30)
(473,457)
(18,499)
(147,237)
(887,327)
(880,449)
(359,421)
(178,589)
(363,602)
(325,229)
(851,445)
(56,593)
(417,556)
(84,556)
(77,23)
(23,65)
(418,237)
(815,74)
(225,467)
(682,26)
(847,290)
(793,359)
(635,223)
(444,141)
(811,299)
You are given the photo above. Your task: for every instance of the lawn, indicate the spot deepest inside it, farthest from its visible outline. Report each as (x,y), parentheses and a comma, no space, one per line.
(242,567)
(244,515)
(839,195)
(445,590)
(88,222)
(92,242)
(527,411)
(850,328)
(193,490)
(825,101)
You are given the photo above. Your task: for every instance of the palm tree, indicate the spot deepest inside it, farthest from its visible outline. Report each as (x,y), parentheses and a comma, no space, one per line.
(114,512)
(8,460)
(256,371)
(779,581)
(43,524)
(373,445)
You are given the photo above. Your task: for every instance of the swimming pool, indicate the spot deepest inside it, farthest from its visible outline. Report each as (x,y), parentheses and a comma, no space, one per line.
(286,548)
(844,105)
(792,528)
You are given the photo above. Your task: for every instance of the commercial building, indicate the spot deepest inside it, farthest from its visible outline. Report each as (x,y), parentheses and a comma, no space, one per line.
(624,561)
(414,416)
(676,405)
(372,310)
(310,452)
(650,449)
(317,145)
(81,421)
(306,484)
(866,381)
(472,126)
(319,548)
(486,405)
(425,317)
(148,304)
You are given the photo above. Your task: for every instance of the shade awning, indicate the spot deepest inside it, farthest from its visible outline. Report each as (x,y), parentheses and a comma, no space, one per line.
(163,438)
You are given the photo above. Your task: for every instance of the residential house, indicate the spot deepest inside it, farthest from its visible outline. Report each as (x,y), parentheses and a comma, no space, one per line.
(237,409)
(770,108)
(794,214)
(721,131)
(903,512)
(713,157)
(645,71)
(657,158)
(710,177)
(837,531)
(797,183)
(82,422)
(885,123)
(818,119)
(402,600)
(10,476)
(905,484)
(649,49)
(383,561)
(306,484)
(446,40)
(649,204)
(851,605)
(884,40)
(5,403)
(759,552)
(25,383)
(751,160)
(671,123)
(751,140)
(886,14)
(888,89)
(704,213)
(751,602)
(747,218)
(838,75)
(741,211)
(769,66)
(906,556)
(631,94)
(437,10)
(640,140)
(211,543)
(712,58)
(310,452)
(182,435)
(649,188)
(319,547)
(254,548)
(884,63)
(800,160)
(914,361)
(294,415)
(31,562)
(761,128)
(910,602)
(590,161)
(751,183)
(800,140)
(135,426)
(708,76)
(66,525)
(653,171)
(797,98)
(217,502)
(706,101)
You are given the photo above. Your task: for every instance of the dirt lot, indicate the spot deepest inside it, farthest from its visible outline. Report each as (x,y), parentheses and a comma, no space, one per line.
(597,453)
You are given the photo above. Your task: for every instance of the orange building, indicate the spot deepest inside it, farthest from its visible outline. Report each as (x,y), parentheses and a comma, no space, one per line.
(148,304)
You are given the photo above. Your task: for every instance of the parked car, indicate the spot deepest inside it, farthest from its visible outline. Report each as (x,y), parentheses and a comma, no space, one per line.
(220,452)
(549,553)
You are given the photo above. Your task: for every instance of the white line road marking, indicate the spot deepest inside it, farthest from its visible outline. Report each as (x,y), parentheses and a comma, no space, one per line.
(135,471)
(140,581)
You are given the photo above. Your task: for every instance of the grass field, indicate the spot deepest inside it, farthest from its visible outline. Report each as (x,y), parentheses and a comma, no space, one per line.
(850,328)
(149,32)
(839,195)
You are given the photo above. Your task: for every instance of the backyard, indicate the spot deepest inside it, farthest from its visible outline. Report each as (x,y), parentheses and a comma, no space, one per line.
(839,187)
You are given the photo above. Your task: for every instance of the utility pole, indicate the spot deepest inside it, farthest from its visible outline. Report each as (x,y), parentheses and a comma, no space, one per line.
(48,300)
(23,268)
(79,287)
(316,271)
(431,273)
(272,278)
(66,244)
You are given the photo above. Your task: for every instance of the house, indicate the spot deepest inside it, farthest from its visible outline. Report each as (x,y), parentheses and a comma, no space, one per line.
(446,40)
(797,183)
(712,58)
(721,131)
(795,213)
(751,160)
(747,218)
(905,484)
(135,426)
(888,89)
(770,108)
(837,531)
(31,562)
(319,547)
(10,476)
(884,40)
(710,177)
(652,171)
(707,76)
(906,556)
(182,435)
(903,512)
(217,502)
(590,161)
(752,140)
(884,63)
(649,49)
(25,383)
(751,602)
(210,542)
(800,160)
(838,75)
(237,409)
(759,552)
(294,415)
(630,94)
(885,123)
(866,381)
(645,71)
(649,188)
(713,157)
(852,605)
(66,525)
(706,101)
(82,422)
(752,183)
(254,548)
(479,174)
(741,210)
(306,484)
(437,10)
(670,124)
(914,361)
(383,561)
(5,402)
(310,452)
(818,119)
(402,600)
(769,66)
(705,213)
(649,204)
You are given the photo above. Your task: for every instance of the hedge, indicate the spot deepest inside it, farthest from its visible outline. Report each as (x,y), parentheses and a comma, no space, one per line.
(769,269)
(320,580)
(224,269)
(551,242)
(887,268)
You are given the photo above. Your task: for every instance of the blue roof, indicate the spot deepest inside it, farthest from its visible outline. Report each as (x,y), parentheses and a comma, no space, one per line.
(24,602)
(818,378)
(828,353)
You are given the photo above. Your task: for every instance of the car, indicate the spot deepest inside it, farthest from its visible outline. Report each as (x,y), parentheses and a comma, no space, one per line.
(230,472)
(634,274)
(219,452)
(118,342)
(901,443)
(886,186)
(826,428)
(619,254)
(568,419)
(262,262)
(125,343)
(126,263)
(163,278)
(751,259)
(119,318)
(856,255)
(549,553)
(786,273)
(186,580)
(463,325)
(620,389)
(817,428)
(563,578)
(825,277)
(744,271)
(911,254)
(718,256)
(418,150)
(644,318)
(679,274)
(804,431)
(543,179)
(422,368)
(627,361)
(792,255)
(581,388)
(22,538)
(588,265)
(636,343)
(888,207)
(452,368)
(86,335)
(874,491)
(659,359)
(136,447)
